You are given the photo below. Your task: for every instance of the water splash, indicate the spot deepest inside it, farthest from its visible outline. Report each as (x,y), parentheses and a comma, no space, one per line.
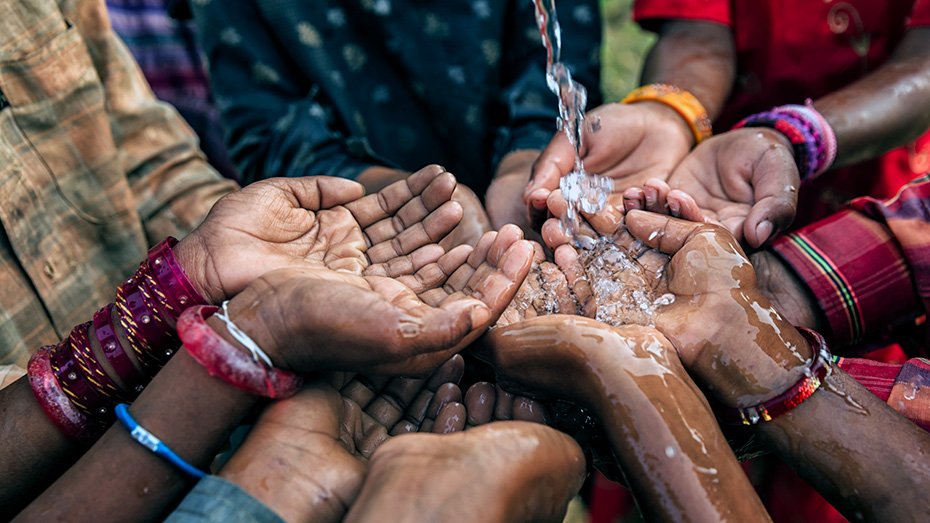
(621,286)
(583,191)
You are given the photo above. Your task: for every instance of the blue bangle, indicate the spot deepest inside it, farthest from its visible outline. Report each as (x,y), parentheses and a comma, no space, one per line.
(149,441)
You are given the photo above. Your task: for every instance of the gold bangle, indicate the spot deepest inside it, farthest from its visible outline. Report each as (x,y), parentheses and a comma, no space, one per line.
(683,102)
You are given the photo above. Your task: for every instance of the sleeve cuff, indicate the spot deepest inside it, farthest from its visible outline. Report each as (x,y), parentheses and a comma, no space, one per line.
(857,272)
(214,499)
(648,12)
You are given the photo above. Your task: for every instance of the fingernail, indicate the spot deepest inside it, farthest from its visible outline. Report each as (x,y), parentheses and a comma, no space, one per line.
(631,205)
(480,315)
(764,230)
(675,207)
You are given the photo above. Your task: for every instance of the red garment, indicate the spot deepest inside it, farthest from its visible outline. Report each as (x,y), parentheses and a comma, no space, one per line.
(791,50)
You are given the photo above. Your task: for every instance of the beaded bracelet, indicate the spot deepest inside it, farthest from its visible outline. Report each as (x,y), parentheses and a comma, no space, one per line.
(811,137)
(819,368)
(683,102)
(223,360)
(149,441)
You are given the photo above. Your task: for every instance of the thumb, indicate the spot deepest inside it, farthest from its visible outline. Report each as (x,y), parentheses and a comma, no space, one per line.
(322,192)
(556,160)
(775,182)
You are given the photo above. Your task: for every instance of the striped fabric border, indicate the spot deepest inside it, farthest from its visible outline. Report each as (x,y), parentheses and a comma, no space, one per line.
(841,286)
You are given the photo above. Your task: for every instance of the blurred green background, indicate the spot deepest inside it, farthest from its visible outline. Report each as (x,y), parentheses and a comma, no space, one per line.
(624,48)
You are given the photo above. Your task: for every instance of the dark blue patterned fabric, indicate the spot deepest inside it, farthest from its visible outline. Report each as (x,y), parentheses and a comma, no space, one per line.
(332,87)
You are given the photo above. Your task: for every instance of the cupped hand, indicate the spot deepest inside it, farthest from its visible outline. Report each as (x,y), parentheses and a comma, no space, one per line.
(727,333)
(613,276)
(629,143)
(310,319)
(306,456)
(317,222)
(745,179)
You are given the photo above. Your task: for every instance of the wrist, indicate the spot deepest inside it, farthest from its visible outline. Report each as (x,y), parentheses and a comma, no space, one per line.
(192,255)
(681,102)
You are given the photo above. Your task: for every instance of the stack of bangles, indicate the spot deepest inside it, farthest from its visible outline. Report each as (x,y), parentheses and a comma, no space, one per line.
(683,102)
(110,359)
(811,137)
(818,369)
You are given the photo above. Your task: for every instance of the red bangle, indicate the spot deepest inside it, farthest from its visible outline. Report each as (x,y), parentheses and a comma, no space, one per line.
(56,404)
(818,369)
(223,360)
(73,382)
(174,288)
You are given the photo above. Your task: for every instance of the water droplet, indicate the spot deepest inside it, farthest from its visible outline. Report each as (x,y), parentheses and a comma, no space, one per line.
(670,452)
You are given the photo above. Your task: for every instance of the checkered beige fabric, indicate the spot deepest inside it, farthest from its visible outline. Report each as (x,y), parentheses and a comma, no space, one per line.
(93,170)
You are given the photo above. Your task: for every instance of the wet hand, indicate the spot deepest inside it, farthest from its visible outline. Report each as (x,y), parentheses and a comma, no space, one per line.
(745,179)
(727,333)
(632,143)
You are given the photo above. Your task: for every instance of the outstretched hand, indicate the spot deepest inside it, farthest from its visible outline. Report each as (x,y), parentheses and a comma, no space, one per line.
(745,179)
(321,319)
(631,143)
(319,222)
(726,332)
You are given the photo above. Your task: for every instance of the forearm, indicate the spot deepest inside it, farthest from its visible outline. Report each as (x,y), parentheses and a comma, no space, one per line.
(699,57)
(886,109)
(862,456)
(35,450)
(654,413)
(120,480)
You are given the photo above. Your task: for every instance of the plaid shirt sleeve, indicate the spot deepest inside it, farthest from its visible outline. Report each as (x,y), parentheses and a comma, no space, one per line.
(857,272)
(173,185)
(869,269)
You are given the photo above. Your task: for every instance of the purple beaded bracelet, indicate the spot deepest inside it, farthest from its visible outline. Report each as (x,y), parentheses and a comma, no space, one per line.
(811,137)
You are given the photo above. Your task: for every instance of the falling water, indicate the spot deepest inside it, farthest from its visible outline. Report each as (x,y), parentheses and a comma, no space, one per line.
(584,191)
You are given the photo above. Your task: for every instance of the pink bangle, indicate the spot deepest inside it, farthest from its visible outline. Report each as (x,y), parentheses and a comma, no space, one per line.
(56,405)
(84,357)
(174,287)
(223,360)
(818,369)
(114,352)
(153,338)
(76,386)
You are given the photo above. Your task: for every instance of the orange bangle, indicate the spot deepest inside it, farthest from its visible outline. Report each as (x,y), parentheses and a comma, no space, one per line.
(683,102)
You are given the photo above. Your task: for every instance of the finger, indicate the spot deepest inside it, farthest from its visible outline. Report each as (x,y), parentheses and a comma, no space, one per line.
(775,190)
(656,195)
(430,230)
(682,205)
(407,265)
(661,232)
(479,403)
(556,160)
(526,409)
(566,257)
(362,389)
(428,282)
(446,393)
(450,372)
(322,192)
(386,202)
(464,272)
(536,208)
(496,284)
(634,198)
(389,406)
(503,404)
(450,419)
